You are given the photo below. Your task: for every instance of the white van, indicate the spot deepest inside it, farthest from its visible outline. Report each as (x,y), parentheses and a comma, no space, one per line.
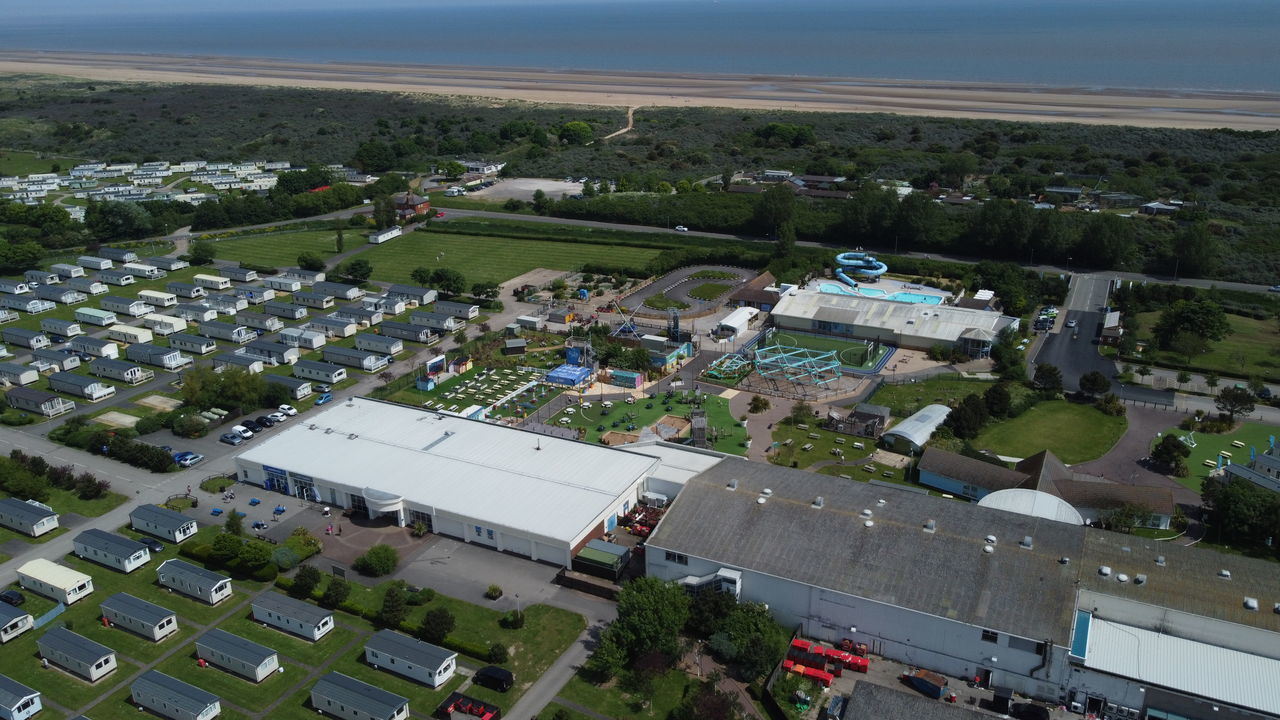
(242,431)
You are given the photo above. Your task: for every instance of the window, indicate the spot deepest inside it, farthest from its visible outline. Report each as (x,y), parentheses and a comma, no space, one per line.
(489,534)
(677,558)
(990,636)
(478,530)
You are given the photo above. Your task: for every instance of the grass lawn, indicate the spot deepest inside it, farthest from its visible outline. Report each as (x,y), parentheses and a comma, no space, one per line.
(421,698)
(308,653)
(229,686)
(280,249)
(659,301)
(118,707)
(554,709)
(855,470)
(490,259)
(1074,432)
(6,535)
(68,501)
(823,445)
(646,412)
(455,392)
(709,291)
(668,691)
(22,663)
(907,398)
(28,321)
(298,706)
(19,162)
(1255,340)
(1208,446)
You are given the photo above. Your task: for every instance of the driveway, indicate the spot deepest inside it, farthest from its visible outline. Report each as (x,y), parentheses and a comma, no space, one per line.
(1120,464)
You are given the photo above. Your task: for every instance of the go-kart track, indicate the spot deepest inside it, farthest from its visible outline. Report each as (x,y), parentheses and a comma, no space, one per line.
(677,284)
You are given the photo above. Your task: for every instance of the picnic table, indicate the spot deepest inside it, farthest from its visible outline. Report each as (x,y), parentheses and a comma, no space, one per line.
(254,502)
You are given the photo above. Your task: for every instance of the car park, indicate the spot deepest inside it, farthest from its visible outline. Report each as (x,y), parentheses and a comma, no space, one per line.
(264,421)
(230,438)
(278,417)
(188,459)
(12,597)
(288,410)
(326,397)
(244,431)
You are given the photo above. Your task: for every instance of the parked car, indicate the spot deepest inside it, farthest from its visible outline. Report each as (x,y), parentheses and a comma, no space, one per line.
(681,228)
(253,426)
(325,398)
(153,545)
(188,458)
(1274,288)
(12,597)
(56,339)
(265,421)
(243,429)
(278,417)
(288,410)
(231,438)
(439,213)
(494,678)
(322,388)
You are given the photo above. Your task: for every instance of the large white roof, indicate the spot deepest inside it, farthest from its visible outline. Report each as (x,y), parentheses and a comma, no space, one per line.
(534,483)
(1034,503)
(939,322)
(919,427)
(1217,673)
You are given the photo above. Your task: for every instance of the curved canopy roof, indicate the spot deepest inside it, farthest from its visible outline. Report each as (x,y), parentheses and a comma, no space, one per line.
(1033,503)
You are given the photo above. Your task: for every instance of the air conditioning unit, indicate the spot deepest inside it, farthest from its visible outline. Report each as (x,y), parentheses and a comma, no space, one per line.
(1077,708)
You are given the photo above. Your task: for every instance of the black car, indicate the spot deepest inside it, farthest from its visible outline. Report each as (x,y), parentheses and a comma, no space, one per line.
(494,678)
(12,597)
(152,544)
(255,427)
(265,421)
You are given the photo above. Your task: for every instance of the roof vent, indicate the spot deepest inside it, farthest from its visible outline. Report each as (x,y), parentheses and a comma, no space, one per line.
(1026,543)
(1122,578)
(991,539)
(1250,603)
(328,431)
(866,513)
(1160,560)
(1139,579)
(733,484)
(818,502)
(1104,570)
(1224,574)
(761,500)
(352,436)
(767,492)
(880,502)
(868,523)
(930,526)
(1064,560)
(988,549)
(312,426)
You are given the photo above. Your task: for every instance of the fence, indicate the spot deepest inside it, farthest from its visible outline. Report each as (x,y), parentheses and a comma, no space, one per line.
(49,616)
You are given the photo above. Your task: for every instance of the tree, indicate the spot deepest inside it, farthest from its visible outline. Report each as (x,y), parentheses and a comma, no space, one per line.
(436,625)
(1172,453)
(202,252)
(254,555)
(636,359)
(379,560)
(452,169)
(1183,378)
(311,261)
(460,337)
(1094,383)
(1144,371)
(1198,317)
(224,548)
(448,281)
(1125,518)
(999,402)
(775,208)
(651,614)
(395,606)
(357,269)
(607,660)
(1048,379)
(708,610)
(339,243)
(421,275)
(305,581)
(575,132)
(541,203)
(1212,380)
(485,290)
(801,412)
(1189,345)
(336,593)
(1235,401)
(758,404)
(234,524)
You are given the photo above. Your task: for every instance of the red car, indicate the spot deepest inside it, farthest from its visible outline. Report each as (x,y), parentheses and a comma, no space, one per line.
(439,213)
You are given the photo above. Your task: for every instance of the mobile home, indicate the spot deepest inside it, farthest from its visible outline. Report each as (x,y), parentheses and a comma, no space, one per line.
(126,306)
(164,324)
(157,298)
(171,698)
(93,263)
(168,263)
(250,363)
(14,287)
(118,254)
(379,344)
(26,303)
(56,582)
(319,371)
(88,286)
(317,300)
(58,326)
(384,304)
(65,270)
(17,701)
(255,295)
(97,347)
(194,581)
(351,357)
(129,334)
(237,655)
(301,618)
(462,311)
(381,236)
(361,316)
(240,274)
(94,316)
(192,343)
(38,401)
(31,339)
(16,374)
(82,386)
(338,290)
(406,331)
(270,323)
(59,294)
(430,665)
(168,358)
(114,551)
(122,370)
(413,295)
(212,282)
(226,304)
(117,277)
(195,312)
(332,327)
(436,321)
(13,622)
(42,277)
(282,284)
(162,522)
(139,616)
(150,272)
(226,331)
(77,654)
(27,517)
(305,339)
(186,290)
(288,311)
(342,696)
(298,387)
(59,359)
(277,353)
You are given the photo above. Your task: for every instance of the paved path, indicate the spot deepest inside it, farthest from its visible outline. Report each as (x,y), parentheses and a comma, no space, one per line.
(1120,463)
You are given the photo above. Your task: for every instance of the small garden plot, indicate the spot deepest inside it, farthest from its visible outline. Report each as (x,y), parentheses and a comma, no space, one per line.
(483,387)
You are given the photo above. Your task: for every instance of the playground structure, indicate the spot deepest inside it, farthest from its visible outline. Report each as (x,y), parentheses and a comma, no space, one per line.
(729,367)
(798,365)
(860,264)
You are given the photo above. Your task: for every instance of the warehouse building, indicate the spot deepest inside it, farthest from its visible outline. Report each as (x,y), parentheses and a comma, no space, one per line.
(541,498)
(146,619)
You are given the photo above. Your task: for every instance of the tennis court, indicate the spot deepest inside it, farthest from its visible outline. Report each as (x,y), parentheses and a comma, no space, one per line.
(853,354)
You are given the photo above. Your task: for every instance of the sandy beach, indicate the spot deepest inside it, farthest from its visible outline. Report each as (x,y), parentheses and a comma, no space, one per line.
(1191,109)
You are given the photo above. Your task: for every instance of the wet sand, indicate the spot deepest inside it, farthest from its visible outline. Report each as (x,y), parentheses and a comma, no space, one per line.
(1190,109)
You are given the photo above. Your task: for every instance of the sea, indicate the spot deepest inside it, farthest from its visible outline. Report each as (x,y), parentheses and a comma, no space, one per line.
(1169,45)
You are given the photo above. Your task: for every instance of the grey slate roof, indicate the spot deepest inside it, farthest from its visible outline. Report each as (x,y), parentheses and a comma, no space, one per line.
(31,513)
(31,395)
(13,692)
(1013,590)
(161,517)
(77,647)
(187,697)
(877,702)
(137,608)
(183,568)
(354,693)
(9,613)
(291,607)
(318,366)
(112,543)
(234,646)
(970,470)
(286,380)
(408,649)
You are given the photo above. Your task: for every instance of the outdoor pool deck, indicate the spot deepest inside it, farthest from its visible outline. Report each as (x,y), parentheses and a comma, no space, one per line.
(895,291)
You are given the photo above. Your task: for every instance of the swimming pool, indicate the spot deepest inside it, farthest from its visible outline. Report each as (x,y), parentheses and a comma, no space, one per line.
(900,296)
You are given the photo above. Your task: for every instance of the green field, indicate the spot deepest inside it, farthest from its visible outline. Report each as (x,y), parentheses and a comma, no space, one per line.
(659,301)
(851,353)
(907,398)
(1074,432)
(17,162)
(1208,446)
(1253,340)
(282,249)
(597,420)
(491,259)
(709,291)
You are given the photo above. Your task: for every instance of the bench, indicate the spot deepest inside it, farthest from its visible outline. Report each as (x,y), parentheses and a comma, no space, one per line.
(837,452)
(839,441)
(869,468)
(847,477)
(815,436)
(802,426)
(1224,453)
(887,473)
(858,445)
(1210,463)
(1237,443)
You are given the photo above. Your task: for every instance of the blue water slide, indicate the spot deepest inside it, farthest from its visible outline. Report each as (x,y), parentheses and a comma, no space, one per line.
(859,264)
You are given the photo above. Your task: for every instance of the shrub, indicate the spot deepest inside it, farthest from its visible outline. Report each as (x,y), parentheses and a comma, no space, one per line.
(513,620)
(436,625)
(284,558)
(378,561)
(266,573)
(199,552)
(149,424)
(498,654)
(303,543)
(493,593)
(305,581)
(336,594)
(422,597)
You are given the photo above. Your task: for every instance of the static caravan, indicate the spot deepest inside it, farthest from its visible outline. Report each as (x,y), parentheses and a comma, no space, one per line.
(130,334)
(167,263)
(38,401)
(29,517)
(117,277)
(171,698)
(288,311)
(186,290)
(26,303)
(294,616)
(162,522)
(164,324)
(157,298)
(139,616)
(42,277)
(114,551)
(192,343)
(412,294)
(332,327)
(386,305)
(31,339)
(430,665)
(14,287)
(94,263)
(351,357)
(319,371)
(338,290)
(240,274)
(168,358)
(13,622)
(122,370)
(58,294)
(16,374)
(212,282)
(227,304)
(88,286)
(125,306)
(260,321)
(298,387)
(437,321)
(90,389)
(379,344)
(249,363)
(307,277)
(94,316)
(194,581)
(150,272)
(282,284)
(65,270)
(277,353)
(237,655)
(381,236)
(255,295)
(56,582)
(406,331)
(77,654)
(59,359)
(317,300)
(17,701)
(97,347)
(195,312)
(305,339)
(342,696)
(462,311)
(118,254)
(363,317)
(58,326)
(226,331)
